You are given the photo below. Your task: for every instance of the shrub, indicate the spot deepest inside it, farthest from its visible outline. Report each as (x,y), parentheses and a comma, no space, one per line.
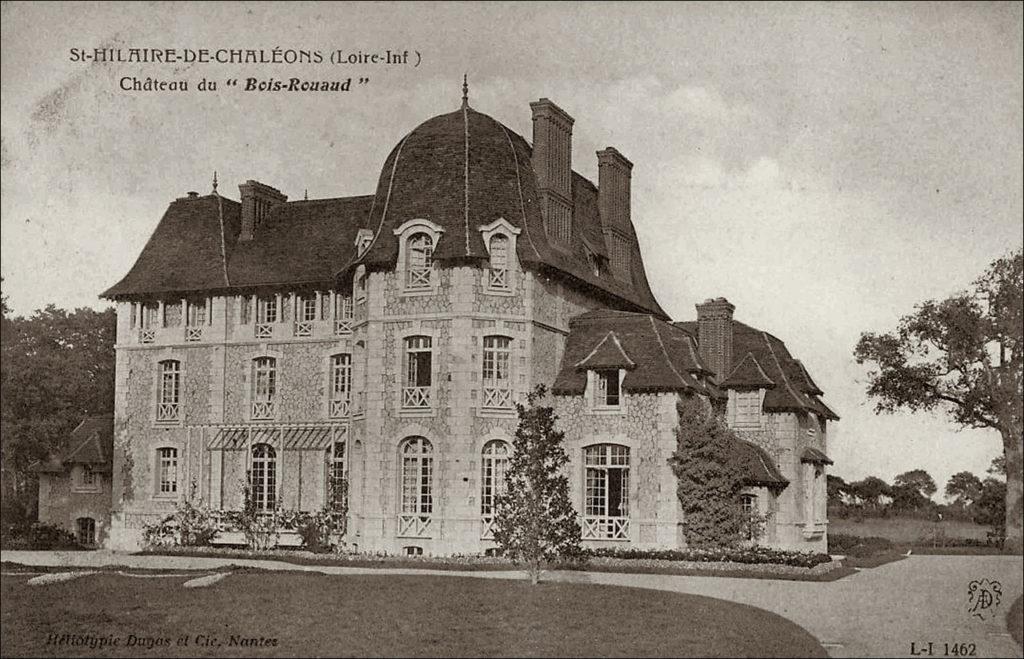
(316,530)
(190,525)
(48,536)
(749,555)
(858,547)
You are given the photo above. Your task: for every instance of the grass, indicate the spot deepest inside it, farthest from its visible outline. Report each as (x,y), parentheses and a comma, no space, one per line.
(908,531)
(319,615)
(1015,621)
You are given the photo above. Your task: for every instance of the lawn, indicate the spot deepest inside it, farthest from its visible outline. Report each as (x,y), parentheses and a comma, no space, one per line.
(321,615)
(908,531)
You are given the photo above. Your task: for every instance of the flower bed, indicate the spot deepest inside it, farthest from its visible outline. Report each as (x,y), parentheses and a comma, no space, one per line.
(743,556)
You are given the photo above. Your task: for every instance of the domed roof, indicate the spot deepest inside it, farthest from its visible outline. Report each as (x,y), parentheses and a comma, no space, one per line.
(463,170)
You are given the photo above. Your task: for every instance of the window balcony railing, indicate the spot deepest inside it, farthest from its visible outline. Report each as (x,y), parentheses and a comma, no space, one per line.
(264,330)
(413,526)
(263,410)
(193,333)
(147,335)
(416,397)
(167,412)
(487,527)
(498,278)
(418,280)
(497,398)
(304,328)
(343,326)
(605,528)
(340,409)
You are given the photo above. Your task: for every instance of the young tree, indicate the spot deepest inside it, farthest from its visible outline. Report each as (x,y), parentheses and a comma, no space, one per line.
(534,520)
(962,355)
(964,488)
(709,479)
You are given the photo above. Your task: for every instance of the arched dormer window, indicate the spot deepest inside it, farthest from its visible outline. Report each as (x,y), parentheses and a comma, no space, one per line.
(498,250)
(500,239)
(419,256)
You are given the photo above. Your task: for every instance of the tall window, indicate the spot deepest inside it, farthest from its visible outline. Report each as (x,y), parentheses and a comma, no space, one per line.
(264,387)
(150,321)
(341,386)
(266,315)
(305,315)
(168,408)
(86,528)
(263,477)
(498,276)
(337,483)
(493,466)
(606,389)
(418,264)
(748,409)
(606,505)
(195,319)
(172,314)
(167,471)
(497,376)
(416,392)
(417,488)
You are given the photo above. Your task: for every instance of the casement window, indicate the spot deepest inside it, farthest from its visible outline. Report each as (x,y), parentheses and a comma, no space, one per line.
(419,254)
(337,491)
(264,388)
(607,392)
(606,493)
(85,528)
(267,313)
(417,468)
(751,525)
(150,321)
(493,467)
(748,410)
(168,409)
(263,477)
(305,315)
(497,376)
(167,471)
(498,276)
(172,314)
(195,319)
(359,285)
(340,386)
(342,314)
(418,376)
(84,479)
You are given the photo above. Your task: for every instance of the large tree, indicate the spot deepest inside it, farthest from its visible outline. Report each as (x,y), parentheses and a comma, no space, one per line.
(918,479)
(870,490)
(962,355)
(963,488)
(56,367)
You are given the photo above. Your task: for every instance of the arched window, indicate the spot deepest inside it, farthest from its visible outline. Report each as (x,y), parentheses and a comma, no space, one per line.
(86,528)
(418,261)
(168,407)
(340,386)
(497,375)
(493,467)
(167,471)
(263,477)
(417,469)
(606,494)
(418,372)
(498,249)
(337,479)
(264,388)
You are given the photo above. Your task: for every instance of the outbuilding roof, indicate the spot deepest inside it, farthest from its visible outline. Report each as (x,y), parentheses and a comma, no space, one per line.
(90,443)
(759,469)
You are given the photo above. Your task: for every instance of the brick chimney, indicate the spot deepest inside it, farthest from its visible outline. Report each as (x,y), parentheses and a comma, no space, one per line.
(257,200)
(614,175)
(714,335)
(552,162)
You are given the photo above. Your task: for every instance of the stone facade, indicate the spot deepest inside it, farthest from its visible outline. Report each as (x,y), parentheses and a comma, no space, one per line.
(64,502)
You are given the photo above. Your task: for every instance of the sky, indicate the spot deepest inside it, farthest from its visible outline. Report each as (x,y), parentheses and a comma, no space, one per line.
(825,167)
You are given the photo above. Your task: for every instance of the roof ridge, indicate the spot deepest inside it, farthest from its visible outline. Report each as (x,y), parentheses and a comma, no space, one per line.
(785,378)
(664,352)
(387,199)
(465,187)
(519,189)
(600,343)
(223,240)
(326,199)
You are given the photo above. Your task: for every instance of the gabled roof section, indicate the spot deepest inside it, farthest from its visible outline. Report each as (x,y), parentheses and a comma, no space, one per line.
(748,374)
(664,357)
(195,246)
(815,456)
(90,443)
(759,469)
(607,354)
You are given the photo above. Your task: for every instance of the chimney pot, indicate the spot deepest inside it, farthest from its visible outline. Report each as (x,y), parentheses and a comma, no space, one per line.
(193,195)
(257,200)
(614,174)
(714,334)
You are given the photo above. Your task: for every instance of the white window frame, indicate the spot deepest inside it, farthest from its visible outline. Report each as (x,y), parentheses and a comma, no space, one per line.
(598,520)
(598,393)
(263,477)
(496,372)
(340,386)
(416,395)
(168,404)
(197,316)
(337,475)
(268,313)
(494,464)
(86,536)
(343,314)
(747,404)
(166,471)
(492,285)
(306,314)
(149,320)
(84,479)
(264,388)
(417,279)
(416,488)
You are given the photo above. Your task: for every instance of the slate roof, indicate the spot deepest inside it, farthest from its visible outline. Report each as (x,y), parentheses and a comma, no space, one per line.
(91,443)
(813,455)
(665,357)
(794,390)
(460,170)
(748,374)
(607,354)
(758,467)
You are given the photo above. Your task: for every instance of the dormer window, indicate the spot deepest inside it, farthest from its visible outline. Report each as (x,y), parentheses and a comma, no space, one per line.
(419,255)
(748,409)
(363,239)
(498,248)
(606,390)
(359,285)
(500,239)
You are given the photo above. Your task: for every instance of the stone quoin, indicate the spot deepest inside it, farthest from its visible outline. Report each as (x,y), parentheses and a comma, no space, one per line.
(382,341)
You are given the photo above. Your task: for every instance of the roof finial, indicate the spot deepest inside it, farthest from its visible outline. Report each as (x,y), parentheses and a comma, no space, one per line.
(465,91)
(215,181)
(305,195)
